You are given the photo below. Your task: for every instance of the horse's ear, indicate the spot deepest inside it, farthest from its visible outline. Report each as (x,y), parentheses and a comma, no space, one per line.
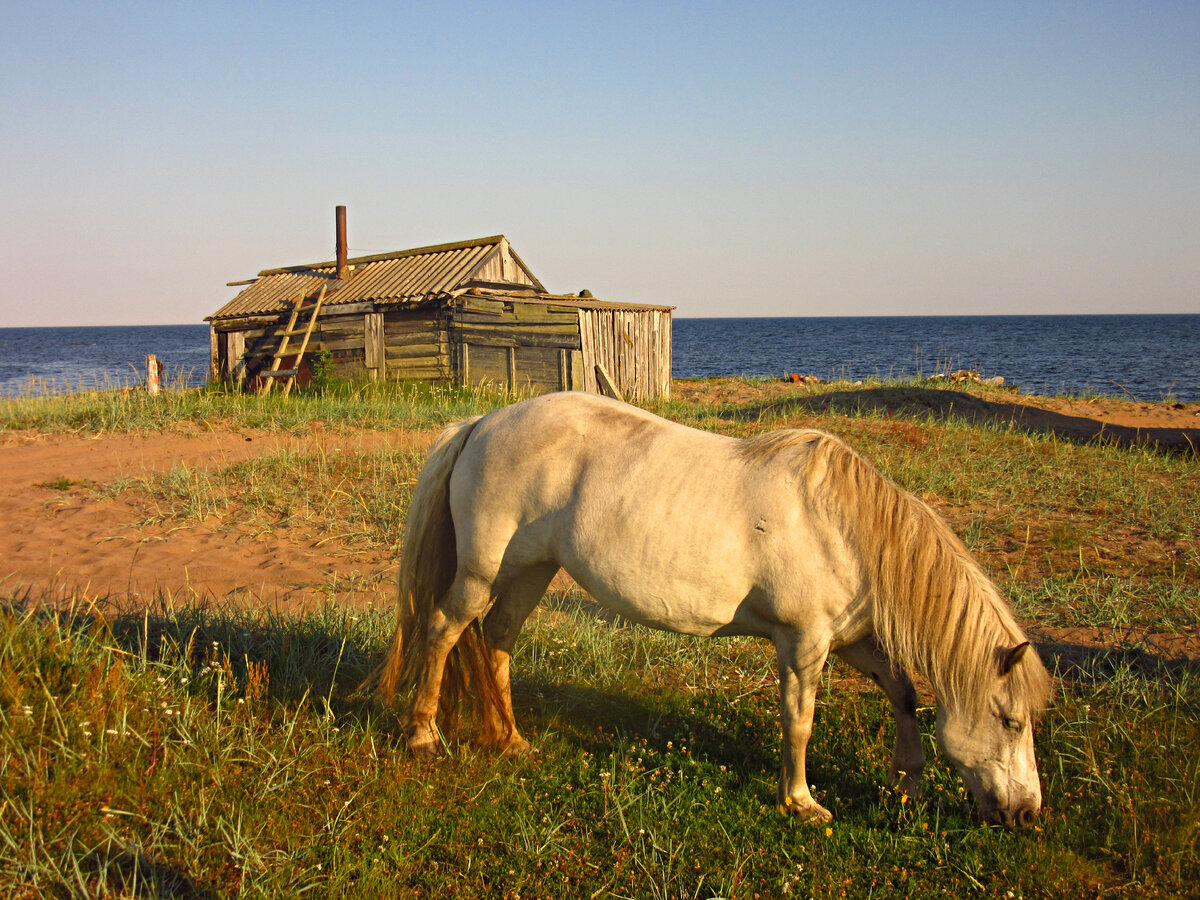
(1012,657)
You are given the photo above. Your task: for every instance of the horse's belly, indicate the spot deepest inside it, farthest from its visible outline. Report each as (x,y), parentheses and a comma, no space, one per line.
(714,603)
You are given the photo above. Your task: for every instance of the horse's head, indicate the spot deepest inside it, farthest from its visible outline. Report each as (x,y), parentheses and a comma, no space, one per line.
(992,747)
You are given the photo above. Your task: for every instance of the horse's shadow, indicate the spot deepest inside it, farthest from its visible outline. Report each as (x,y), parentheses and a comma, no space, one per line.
(941,404)
(1083,664)
(278,659)
(131,873)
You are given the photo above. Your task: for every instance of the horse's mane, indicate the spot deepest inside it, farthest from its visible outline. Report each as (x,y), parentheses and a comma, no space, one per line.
(933,606)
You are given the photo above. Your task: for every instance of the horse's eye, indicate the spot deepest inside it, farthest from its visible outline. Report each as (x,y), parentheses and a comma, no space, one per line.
(1011,724)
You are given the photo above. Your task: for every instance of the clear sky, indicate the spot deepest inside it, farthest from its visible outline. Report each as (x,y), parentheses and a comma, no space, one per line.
(732,159)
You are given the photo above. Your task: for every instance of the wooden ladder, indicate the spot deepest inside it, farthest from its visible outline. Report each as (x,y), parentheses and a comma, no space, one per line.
(289,375)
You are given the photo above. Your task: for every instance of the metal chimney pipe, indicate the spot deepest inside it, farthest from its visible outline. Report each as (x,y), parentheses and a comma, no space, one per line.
(340,216)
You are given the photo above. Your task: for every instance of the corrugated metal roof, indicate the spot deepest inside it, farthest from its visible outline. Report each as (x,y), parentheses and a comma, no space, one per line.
(571,300)
(409,276)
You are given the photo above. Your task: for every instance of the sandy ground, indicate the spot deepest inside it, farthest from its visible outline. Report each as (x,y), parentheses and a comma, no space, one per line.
(57,541)
(61,542)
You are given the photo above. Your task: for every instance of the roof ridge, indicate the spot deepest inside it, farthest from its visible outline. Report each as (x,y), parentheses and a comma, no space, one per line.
(380,257)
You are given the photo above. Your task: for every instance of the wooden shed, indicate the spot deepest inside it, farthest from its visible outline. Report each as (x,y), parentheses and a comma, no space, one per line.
(464,313)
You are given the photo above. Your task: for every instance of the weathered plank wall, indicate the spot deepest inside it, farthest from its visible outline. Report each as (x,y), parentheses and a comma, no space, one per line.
(501,267)
(634,346)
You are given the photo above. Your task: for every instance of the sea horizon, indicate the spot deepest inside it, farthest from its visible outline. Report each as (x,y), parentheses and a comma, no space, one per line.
(1148,356)
(678,316)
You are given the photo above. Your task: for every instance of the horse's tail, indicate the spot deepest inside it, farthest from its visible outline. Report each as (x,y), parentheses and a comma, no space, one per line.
(427,568)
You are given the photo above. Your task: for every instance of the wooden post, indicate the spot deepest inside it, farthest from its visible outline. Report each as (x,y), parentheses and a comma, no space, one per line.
(235,357)
(214,356)
(151,374)
(374,353)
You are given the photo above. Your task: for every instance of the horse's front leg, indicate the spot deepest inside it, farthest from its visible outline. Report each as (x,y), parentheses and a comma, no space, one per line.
(800,664)
(908,757)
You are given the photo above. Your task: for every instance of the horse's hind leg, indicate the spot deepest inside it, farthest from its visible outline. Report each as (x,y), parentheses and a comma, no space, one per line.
(908,757)
(467,599)
(519,596)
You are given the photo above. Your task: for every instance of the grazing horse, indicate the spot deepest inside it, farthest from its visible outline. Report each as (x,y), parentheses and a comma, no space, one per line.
(790,536)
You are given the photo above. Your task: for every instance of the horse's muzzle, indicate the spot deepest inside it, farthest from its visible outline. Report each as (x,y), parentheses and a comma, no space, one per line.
(1022,817)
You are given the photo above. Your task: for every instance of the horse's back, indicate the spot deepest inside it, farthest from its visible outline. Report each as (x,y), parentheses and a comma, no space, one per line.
(548,451)
(666,524)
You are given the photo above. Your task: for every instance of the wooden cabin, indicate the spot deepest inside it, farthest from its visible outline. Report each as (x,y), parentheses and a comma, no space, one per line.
(464,313)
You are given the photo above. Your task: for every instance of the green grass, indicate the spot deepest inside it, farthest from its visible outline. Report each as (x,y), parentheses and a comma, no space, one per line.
(222,752)
(187,752)
(342,404)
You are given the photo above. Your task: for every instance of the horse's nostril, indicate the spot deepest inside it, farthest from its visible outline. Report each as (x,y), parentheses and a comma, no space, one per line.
(1026,816)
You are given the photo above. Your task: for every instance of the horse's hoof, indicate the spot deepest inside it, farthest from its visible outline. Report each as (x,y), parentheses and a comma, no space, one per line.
(901,783)
(516,746)
(805,811)
(424,746)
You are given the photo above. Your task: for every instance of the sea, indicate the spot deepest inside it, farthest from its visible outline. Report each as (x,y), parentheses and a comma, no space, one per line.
(1144,357)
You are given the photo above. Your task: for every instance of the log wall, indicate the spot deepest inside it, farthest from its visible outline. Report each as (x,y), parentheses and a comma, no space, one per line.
(517,346)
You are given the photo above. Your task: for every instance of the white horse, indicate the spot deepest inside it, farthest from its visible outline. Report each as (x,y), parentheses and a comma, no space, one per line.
(790,536)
